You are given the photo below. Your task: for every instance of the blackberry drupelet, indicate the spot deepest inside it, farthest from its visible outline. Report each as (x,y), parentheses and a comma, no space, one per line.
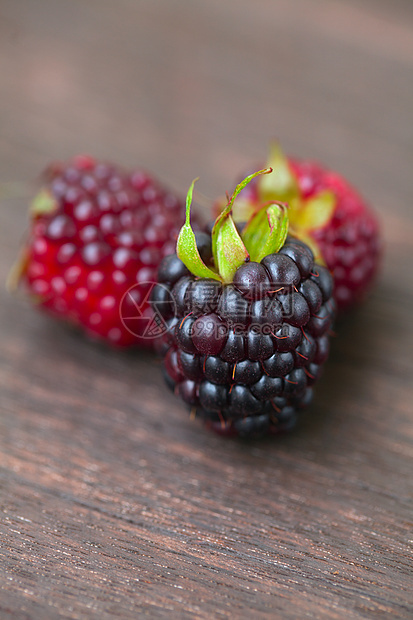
(245,348)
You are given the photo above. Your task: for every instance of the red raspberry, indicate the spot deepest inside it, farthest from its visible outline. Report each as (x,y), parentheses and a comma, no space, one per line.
(349,242)
(328,214)
(98,232)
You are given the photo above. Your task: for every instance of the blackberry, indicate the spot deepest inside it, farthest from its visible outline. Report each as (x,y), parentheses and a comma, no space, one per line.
(252,322)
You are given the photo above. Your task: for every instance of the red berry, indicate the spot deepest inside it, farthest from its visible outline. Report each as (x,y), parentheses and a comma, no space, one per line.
(328,214)
(350,242)
(96,232)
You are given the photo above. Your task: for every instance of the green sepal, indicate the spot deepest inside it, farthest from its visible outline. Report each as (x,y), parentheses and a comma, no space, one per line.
(44,203)
(230,251)
(17,271)
(265,233)
(282,185)
(228,208)
(315,212)
(186,247)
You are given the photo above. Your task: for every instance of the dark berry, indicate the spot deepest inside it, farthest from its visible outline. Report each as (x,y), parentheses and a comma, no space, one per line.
(252,280)
(171,326)
(282,271)
(260,346)
(162,302)
(295,308)
(278,402)
(247,372)
(322,277)
(232,307)
(242,402)
(213,396)
(313,372)
(171,365)
(266,313)
(287,337)
(305,351)
(279,364)
(322,349)
(209,334)
(305,400)
(168,380)
(203,242)
(184,333)
(295,381)
(181,295)
(216,370)
(171,269)
(321,322)
(252,426)
(312,294)
(204,296)
(301,255)
(190,365)
(247,349)
(187,390)
(234,349)
(285,419)
(267,387)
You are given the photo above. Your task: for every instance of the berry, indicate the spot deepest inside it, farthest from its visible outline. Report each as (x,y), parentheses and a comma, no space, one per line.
(209,334)
(328,214)
(252,325)
(252,280)
(96,233)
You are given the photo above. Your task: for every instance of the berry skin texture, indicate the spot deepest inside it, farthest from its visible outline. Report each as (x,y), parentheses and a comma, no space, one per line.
(328,214)
(96,232)
(349,243)
(244,356)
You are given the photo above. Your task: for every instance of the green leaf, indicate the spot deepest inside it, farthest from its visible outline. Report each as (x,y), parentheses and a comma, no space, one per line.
(186,247)
(266,231)
(282,185)
(231,252)
(228,208)
(44,203)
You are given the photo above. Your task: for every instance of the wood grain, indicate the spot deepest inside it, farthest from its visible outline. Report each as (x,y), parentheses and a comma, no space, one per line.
(112,501)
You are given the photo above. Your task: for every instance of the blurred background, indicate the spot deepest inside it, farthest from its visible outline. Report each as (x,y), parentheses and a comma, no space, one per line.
(188,88)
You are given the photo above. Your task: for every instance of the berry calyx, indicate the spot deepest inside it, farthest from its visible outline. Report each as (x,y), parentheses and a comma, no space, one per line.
(264,233)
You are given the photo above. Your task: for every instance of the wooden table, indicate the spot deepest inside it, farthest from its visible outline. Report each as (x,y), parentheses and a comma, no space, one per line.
(114,504)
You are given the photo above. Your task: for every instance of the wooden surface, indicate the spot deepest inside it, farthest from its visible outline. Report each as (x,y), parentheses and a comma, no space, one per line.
(113,503)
